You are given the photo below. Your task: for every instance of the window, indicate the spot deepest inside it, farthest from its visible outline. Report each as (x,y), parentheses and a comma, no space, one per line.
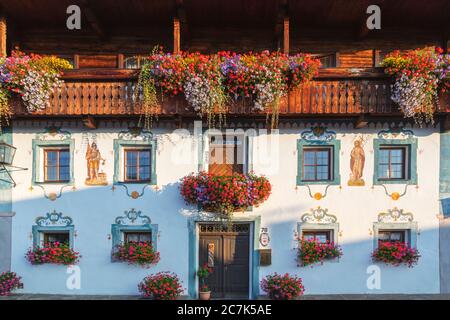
(138,165)
(317,164)
(392,162)
(391,235)
(321,236)
(135,62)
(226,154)
(61,237)
(138,236)
(327,60)
(56,165)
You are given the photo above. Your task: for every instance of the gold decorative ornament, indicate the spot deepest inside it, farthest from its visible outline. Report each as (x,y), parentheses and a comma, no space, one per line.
(395,196)
(52,196)
(318,196)
(135,195)
(31,188)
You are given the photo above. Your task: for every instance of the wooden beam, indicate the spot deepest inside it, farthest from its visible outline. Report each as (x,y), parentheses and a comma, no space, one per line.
(92,19)
(2,36)
(280,26)
(286,35)
(184,27)
(176,35)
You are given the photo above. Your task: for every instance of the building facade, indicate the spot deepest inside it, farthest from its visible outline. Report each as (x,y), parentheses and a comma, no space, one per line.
(349,170)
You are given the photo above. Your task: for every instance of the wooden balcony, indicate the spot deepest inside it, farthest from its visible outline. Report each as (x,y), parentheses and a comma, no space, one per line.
(339,92)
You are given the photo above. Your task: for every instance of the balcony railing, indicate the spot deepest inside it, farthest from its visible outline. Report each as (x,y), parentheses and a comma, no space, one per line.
(337,91)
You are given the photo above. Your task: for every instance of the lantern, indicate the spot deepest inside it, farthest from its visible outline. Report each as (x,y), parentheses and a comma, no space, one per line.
(7,153)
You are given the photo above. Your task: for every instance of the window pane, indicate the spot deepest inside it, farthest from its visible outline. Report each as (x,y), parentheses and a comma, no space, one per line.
(144,158)
(383,170)
(322,238)
(64,173)
(397,156)
(309,157)
(308,173)
(384,156)
(397,171)
(322,173)
(52,174)
(51,157)
(131,173)
(56,237)
(322,157)
(308,236)
(144,173)
(64,158)
(131,157)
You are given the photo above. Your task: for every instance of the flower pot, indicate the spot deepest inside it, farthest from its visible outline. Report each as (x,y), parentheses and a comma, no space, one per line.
(205,295)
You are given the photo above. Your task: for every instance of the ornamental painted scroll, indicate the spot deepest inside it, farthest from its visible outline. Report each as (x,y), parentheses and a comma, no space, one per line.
(318,215)
(133,217)
(54,219)
(318,134)
(395,215)
(395,133)
(357,160)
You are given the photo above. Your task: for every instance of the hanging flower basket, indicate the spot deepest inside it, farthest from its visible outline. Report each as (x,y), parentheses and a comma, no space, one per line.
(209,82)
(137,253)
(9,281)
(311,252)
(419,77)
(32,77)
(161,286)
(282,287)
(53,253)
(225,194)
(396,253)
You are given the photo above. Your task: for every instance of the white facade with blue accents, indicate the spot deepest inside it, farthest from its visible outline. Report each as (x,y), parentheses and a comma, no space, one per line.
(98,214)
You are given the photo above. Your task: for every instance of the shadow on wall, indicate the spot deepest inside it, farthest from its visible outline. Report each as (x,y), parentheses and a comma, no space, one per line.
(94,209)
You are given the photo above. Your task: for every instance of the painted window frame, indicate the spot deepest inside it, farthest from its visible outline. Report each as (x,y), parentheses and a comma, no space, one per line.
(38,234)
(118,233)
(411,164)
(119,160)
(335,144)
(39,147)
(410,228)
(307,226)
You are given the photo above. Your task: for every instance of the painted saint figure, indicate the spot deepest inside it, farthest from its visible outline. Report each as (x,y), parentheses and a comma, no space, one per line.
(357,159)
(93,158)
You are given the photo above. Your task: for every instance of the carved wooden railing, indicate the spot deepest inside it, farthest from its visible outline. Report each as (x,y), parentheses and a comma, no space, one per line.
(336,91)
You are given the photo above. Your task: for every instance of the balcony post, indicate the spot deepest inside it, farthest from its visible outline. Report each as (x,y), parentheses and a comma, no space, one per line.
(176,35)
(2,36)
(286,35)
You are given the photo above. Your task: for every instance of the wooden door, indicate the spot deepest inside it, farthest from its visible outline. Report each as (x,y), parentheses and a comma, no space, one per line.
(226,156)
(226,249)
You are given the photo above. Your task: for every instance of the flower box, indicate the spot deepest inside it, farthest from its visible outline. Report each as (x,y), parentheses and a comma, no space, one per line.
(396,253)
(9,281)
(161,286)
(53,253)
(311,252)
(282,287)
(225,194)
(137,253)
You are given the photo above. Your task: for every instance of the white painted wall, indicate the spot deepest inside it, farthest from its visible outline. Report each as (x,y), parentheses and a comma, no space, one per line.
(94,209)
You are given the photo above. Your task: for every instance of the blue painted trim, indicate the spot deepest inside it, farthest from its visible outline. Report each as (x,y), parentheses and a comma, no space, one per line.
(410,227)
(336,147)
(37,230)
(117,231)
(119,144)
(37,144)
(411,143)
(444,174)
(255,223)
